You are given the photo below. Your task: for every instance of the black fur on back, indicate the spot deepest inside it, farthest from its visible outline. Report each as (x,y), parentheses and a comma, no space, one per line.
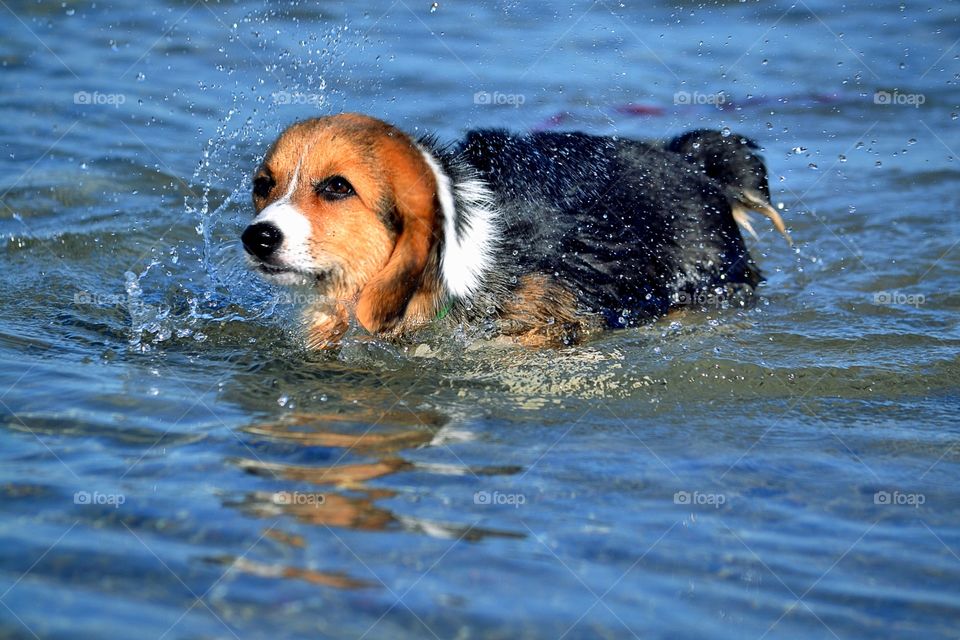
(633,228)
(731,160)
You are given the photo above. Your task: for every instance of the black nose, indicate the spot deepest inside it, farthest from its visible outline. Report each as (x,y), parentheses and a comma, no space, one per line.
(261,239)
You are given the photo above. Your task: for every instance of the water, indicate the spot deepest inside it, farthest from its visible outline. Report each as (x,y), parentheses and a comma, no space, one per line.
(175,466)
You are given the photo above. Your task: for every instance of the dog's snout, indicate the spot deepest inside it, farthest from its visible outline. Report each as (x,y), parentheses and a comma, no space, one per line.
(262,239)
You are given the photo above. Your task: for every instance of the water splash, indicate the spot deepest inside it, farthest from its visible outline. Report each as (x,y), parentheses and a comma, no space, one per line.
(197,298)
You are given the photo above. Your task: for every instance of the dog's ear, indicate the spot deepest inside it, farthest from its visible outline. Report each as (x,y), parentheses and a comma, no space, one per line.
(384,298)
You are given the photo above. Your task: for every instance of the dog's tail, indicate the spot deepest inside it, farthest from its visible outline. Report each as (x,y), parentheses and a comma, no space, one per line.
(733,161)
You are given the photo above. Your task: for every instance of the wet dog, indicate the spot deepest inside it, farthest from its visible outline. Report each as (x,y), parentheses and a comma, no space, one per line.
(543,237)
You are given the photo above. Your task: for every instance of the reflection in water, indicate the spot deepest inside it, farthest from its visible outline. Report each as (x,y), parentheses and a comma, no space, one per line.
(415,428)
(334,579)
(378,442)
(345,476)
(355,510)
(323,509)
(348,501)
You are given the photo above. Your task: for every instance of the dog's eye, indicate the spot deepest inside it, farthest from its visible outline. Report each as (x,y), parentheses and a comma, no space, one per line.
(335,188)
(262,186)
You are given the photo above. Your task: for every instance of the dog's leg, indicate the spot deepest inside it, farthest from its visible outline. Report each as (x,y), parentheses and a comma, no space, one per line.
(328,324)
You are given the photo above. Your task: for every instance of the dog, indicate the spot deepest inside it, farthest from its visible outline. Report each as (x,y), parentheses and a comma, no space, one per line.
(546,238)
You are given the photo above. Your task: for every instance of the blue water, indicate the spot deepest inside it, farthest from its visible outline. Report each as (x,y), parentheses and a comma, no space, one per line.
(173,464)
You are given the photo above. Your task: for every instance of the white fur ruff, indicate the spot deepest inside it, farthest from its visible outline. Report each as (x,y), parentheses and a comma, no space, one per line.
(467,255)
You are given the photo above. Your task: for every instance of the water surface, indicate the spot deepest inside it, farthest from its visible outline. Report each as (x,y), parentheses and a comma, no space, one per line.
(174,465)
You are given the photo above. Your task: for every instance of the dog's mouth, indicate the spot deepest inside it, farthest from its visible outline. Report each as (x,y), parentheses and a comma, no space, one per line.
(271,269)
(278,272)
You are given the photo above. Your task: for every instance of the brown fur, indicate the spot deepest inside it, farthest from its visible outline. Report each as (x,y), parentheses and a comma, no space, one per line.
(543,313)
(379,275)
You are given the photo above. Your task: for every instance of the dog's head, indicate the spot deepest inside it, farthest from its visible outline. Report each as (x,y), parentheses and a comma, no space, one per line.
(348,203)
